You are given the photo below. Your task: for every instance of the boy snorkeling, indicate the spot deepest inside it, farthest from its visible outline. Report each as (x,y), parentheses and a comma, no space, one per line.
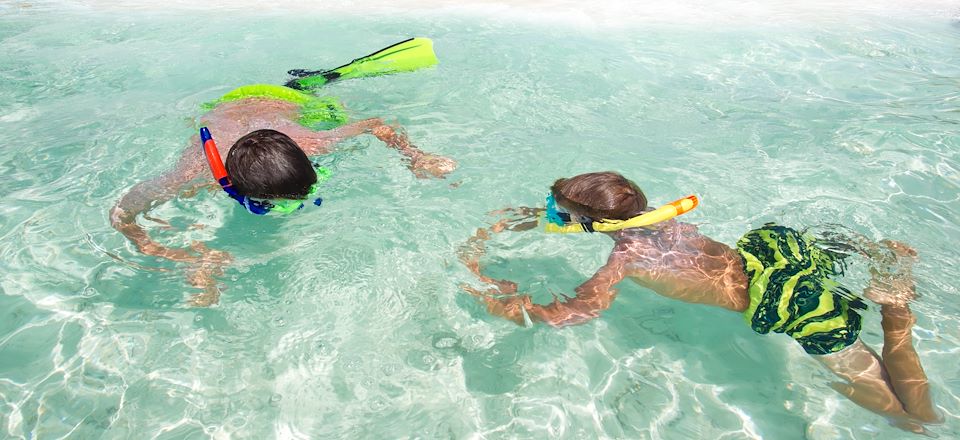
(778,278)
(266,133)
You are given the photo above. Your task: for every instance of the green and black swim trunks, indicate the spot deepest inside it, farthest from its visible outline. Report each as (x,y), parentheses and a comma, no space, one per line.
(792,290)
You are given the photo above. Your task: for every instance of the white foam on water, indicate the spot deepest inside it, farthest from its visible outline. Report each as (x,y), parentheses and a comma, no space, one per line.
(610,14)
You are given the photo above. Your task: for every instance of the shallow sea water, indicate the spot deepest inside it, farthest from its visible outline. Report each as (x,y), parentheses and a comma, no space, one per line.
(348,322)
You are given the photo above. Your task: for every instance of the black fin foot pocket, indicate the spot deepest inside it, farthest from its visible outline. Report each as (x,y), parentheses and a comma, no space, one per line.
(294,84)
(300,73)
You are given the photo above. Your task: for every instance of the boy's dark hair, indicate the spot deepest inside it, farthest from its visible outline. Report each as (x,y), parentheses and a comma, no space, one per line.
(600,195)
(267,164)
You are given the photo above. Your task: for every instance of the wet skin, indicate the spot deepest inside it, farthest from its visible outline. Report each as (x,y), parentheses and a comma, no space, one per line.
(229,122)
(674,260)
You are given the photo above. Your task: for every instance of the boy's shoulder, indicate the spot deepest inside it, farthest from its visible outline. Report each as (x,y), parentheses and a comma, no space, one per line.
(668,237)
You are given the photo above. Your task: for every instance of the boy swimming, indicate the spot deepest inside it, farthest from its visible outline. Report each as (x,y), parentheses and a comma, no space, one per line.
(778,278)
(267,149)
(270,131)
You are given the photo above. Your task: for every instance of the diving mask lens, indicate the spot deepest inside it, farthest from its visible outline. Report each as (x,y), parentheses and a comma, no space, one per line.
(284,206)
(554,214)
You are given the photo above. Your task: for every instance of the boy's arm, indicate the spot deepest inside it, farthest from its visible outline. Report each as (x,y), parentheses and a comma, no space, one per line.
(144,195)
(206,263)
(315,143)
(320,142)
(592,297)
(139,200)
(422,164)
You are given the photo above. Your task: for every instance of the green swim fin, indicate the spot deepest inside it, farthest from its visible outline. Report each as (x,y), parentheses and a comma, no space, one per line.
(404,56)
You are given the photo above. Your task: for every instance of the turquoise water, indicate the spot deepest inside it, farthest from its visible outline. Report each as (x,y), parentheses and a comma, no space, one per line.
(348,321)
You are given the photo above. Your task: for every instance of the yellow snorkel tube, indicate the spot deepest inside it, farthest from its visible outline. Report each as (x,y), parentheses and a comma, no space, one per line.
(661,214)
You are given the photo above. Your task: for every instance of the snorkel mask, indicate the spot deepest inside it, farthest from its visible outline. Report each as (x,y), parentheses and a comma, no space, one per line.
(560,222)
(555,215)
(256,206)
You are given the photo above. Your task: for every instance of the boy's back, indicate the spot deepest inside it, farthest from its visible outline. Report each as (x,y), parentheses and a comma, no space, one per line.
(678,262)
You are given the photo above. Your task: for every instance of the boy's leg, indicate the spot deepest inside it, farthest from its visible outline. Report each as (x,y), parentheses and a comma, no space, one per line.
(896,384)
(893,291)
(867,380)
(902,363)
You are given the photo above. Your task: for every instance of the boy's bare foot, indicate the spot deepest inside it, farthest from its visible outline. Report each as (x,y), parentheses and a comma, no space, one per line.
(899,248)
(894,289)
(910,426)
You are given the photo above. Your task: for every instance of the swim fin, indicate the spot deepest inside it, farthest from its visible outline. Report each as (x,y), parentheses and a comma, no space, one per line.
(404,56)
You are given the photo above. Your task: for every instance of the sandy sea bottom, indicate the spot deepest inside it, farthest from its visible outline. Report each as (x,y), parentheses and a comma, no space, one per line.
(349,321)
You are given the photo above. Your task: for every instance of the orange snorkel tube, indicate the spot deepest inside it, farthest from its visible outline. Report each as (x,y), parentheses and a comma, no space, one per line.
(216,165)
(213,158)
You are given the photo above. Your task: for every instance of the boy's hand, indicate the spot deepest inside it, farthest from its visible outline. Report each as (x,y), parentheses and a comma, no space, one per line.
(422,164)
(389,136)
(520,212)
(518,219)
(515,225)
(558,314)
(209,256)
(436,166)
(510,308)
(209,264)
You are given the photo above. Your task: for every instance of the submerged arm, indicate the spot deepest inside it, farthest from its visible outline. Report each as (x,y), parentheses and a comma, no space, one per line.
(205,263)
(421,163)
(141,198)
(320,142)
(315,143)
(147,194)
(592,297)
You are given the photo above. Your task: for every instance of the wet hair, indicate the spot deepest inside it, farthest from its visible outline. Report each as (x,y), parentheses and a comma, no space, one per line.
(600,195)
(268,164)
